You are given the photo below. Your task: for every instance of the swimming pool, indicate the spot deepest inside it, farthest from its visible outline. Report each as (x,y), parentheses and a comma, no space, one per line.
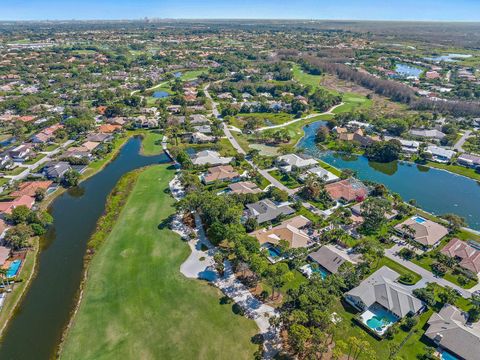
(445,355)
(321,270)
(419,220)
(273,252)
(378,318)
(13,269)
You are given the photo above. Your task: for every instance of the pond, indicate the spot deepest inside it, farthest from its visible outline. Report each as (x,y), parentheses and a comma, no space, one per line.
(434,190)
(36,329)
(160,94)
(449,57)
(408,70)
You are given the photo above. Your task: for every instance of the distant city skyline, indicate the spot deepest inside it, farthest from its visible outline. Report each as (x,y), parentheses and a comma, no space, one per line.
(419,10)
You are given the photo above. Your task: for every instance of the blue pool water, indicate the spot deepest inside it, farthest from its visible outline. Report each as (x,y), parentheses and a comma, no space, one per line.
(380,317)
(13,269)
(274,253)
(376,323)
(447,356)
(419,220)
(322,271)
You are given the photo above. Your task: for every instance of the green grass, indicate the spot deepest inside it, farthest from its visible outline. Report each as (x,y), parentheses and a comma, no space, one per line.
(264,119)
(137,304)
(15,171)
(353,102)
(402,270)
(298,279)
(456,169)
(285,179)
(35,159)
(304,78)
(19,288)
(151,143)
(329,167)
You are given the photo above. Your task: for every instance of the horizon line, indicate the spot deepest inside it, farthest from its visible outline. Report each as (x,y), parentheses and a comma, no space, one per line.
(146,18)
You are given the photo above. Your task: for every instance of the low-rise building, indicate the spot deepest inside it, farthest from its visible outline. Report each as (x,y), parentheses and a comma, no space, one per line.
(329,258)
(287,162)
(210,157)
(289,230)
(427,133)
(347,190)
(56,170)
(469,160)
(266,210)
(467,255)
(451,330)
(423,231)
(440,154)
(220,173)
(323,174)
(244,187)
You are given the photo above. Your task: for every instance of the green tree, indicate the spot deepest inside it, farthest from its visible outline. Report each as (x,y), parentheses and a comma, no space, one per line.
(71,178)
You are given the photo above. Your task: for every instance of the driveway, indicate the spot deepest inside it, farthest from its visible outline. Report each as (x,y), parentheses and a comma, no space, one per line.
(48,157)
(459,144)
(427,276)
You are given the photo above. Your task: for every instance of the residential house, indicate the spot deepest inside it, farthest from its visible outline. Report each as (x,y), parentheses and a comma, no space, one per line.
(210,157)
(287,162)
(467,255)
(56,170)
(408,146)
(427,133)
(469,160)
(323,174)
(357,210)
(244,187)
(46,134)
(440,154)
(6,207)
(267,210)
(29,188)
(330,258)
(382,288)
(109,128)
(199,138)
(204,129)
(357,136)
(289,230)
(347,190)
(99,137)
(22,152)
(6,162)
(220,173)
(423,231)
(450,330)
(4,254)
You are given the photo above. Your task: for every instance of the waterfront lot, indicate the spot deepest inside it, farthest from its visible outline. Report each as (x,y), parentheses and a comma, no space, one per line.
(136,302)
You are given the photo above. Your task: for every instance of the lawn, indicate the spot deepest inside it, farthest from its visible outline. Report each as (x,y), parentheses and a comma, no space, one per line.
(384,261)
(19,288)
(285,179)
(456,169)
(304,78)
(137,304)
(264,119)
(353,102)
(329,167)
(151,143)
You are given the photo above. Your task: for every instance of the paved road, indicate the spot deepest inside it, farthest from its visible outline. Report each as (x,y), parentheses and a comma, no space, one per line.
(46,158)
(427,276)
(328,112)
(458,145)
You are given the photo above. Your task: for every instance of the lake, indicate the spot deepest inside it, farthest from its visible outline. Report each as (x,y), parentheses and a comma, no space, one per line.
(434,190)
(449,57)
(408,70)
(36,329)
(160,94)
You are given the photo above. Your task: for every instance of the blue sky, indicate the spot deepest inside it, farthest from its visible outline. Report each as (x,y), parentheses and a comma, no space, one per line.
(450,10)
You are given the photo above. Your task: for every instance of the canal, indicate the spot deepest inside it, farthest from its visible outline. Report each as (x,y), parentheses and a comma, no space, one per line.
(435,191)
(36,329)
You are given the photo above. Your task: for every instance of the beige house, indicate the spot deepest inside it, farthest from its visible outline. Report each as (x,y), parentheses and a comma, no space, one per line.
(423,231)
(289,230)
